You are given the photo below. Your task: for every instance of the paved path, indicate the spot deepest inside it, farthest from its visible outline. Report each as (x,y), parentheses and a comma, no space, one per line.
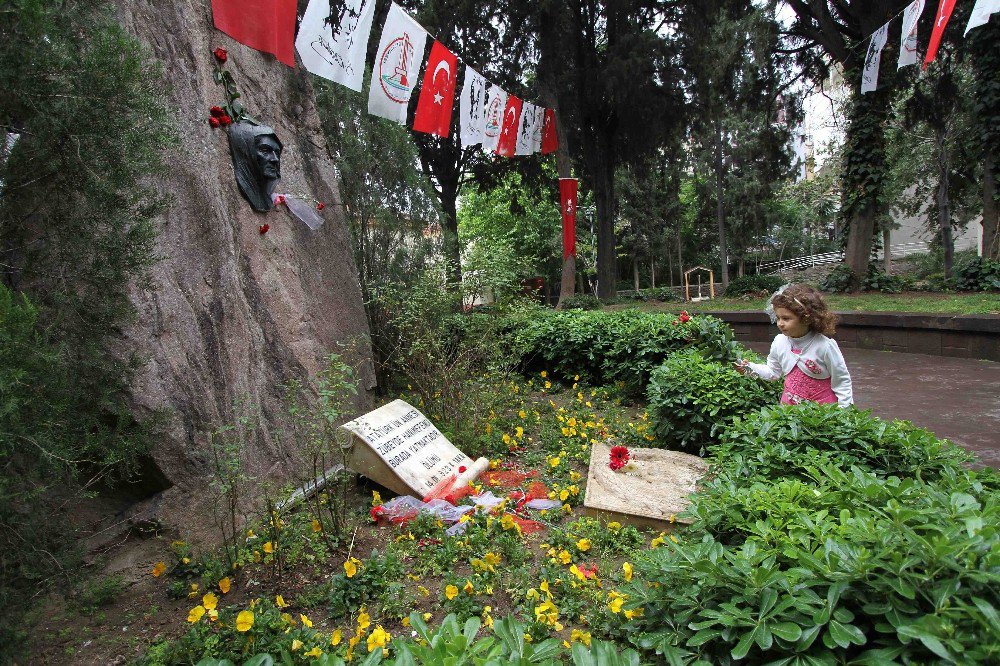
(956,398)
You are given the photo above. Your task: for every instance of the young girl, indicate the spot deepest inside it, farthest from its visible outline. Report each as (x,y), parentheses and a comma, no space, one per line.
(810,362)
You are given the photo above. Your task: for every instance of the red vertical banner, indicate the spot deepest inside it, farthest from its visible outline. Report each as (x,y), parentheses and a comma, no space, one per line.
(507,142)
(944,10)
(265,25)
(550,139)
(437,97)
(567,203)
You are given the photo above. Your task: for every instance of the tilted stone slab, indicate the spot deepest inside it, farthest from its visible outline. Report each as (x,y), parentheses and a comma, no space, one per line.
(399,448)
(654,487)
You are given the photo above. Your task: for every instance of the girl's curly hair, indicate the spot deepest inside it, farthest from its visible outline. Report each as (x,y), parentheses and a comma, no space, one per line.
(808,304)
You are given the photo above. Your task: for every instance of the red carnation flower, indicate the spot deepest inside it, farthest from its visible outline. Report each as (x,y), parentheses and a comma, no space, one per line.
(225,121)
(619,457)
(264,228)
(221,54)
(214,122)
(461,469)
(685,317)
(217,111)
(588,571)
(320,206)
(377,511)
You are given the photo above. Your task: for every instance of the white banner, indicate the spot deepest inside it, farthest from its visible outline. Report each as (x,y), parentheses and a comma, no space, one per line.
(341,57)
(981,13)
(472,108)
(397,62)
(908,35)
(526,130)
(869,78)
(536,138)
(496,101)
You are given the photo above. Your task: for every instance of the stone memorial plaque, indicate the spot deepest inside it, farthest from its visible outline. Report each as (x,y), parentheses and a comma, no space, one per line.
(399,448)
(654,486)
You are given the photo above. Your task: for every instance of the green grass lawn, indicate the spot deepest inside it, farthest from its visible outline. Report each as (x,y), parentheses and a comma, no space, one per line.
(966,303)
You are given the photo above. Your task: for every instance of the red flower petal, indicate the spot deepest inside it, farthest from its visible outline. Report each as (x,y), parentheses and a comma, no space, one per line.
(217,111)
(461,469)
(264,228)
(214,122)
(226,121)
(221,54)
(320,206)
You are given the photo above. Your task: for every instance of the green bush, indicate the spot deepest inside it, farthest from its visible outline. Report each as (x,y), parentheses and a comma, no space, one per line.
(754,284)
(582,302)
(879,280)
(827,536)
(979,275)
(692,400)
(839,280)
(619,346)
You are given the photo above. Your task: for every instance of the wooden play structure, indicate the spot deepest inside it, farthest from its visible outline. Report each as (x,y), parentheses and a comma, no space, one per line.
(687,283)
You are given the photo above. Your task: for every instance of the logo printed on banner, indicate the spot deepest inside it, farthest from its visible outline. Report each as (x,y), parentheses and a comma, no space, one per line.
(908,34)
(399,54)
(393,66)
(472,109)
(493,121)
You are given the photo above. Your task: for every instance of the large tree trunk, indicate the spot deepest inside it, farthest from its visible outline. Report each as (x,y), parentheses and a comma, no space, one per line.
(448,196)
(720,210)
(991,212)
(604,195)
(944,205)
(635,272)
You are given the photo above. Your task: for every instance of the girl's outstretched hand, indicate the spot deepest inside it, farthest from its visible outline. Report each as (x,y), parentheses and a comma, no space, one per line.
(742,366)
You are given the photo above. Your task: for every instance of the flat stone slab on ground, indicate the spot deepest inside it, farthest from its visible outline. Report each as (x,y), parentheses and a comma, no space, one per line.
(655,486)
(399,448)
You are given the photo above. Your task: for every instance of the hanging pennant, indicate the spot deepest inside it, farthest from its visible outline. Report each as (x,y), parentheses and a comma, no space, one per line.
(397,62)
(869,77)
(567,204)
(524,144)
(472,108)
(265,25)
(507,142)
(495,105)
(944,10)
(981,12)
(337,57)
(908,35)
(550,138)
(437,95)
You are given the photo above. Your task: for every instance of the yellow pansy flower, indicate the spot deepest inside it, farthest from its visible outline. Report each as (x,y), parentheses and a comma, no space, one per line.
(614,526)
(364,619)
(209,601)
(296,645)
(583,545)
(244,621)
(316,526)
(224,585)
(627,568)
(450,592)
(522,414)
(564,495)
(306,621)
(519,432)
(268,547)
(196,613)
(159,568)
(543,374)
(336,637)
(578,636)
(279,601)
(379,638)
(351,567)
(468,587)
(554,462)
(634,613)
(315,652)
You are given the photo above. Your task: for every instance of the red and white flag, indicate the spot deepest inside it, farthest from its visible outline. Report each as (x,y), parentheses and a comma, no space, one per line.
(944,10)
(265,25)
(496,102)
(908,34)
(550,139)
(981,13)
(567,204)
(397,63)
(338,57)
(507,141)
(437,96)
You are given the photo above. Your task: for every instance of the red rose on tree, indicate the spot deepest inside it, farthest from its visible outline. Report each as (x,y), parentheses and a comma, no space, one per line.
(221,54)
(685,317)
(619,457)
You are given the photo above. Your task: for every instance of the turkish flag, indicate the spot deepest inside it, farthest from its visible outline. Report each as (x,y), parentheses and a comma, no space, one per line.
(265,25)
(567,202)
(437,96)
(507,143)
(550,140)
(944,11)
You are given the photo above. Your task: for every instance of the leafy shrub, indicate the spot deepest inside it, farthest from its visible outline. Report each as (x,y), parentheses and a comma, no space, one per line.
(979,275)
(754,284)
(691,400)
(839,280)
(582,302)
(828,536)
(879,280)
(625,345)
